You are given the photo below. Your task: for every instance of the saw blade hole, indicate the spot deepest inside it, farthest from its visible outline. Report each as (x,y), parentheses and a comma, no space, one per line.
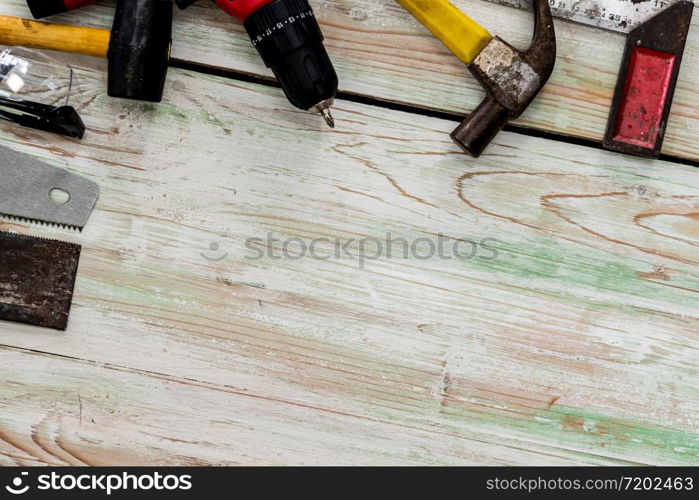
(59,196)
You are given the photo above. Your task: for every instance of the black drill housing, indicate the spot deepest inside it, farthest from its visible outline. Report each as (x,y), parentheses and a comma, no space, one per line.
(290,41)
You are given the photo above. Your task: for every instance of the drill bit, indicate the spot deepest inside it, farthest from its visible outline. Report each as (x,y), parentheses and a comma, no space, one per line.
(323,109)
(328,117)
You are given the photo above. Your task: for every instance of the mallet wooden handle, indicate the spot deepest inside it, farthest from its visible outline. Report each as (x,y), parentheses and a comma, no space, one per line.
(461,34)
(15,31)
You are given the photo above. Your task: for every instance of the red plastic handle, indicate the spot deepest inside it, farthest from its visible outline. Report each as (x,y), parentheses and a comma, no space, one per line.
(241,8)
(76,4)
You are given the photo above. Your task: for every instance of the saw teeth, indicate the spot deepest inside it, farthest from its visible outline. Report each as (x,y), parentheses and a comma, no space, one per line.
(26,220)
(12,234)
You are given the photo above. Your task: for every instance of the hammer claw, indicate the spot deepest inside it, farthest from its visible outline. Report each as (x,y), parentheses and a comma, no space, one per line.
(511,79)
(542,52)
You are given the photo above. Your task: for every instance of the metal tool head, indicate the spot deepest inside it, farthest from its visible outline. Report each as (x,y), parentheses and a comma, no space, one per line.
(139,49)
(511,78)
(31,190)
(37,277)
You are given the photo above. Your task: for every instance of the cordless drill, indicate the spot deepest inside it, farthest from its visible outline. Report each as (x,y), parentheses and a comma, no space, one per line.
(289,39)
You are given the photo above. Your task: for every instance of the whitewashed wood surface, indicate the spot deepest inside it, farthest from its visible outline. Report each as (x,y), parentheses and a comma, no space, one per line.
(578,345)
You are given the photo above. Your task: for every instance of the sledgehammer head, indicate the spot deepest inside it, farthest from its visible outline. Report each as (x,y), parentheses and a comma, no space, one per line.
(139,49)
(511,78)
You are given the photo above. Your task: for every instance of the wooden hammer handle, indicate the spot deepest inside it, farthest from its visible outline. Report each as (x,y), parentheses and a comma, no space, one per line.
(16,31)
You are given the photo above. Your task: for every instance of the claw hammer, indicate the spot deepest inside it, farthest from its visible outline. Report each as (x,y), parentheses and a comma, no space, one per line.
(511,78)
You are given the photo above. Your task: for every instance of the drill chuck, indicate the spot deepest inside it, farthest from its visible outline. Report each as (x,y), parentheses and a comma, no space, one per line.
(290,41)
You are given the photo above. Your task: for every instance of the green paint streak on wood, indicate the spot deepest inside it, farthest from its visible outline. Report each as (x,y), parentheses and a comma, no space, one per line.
(557,263)
(155,111)
(587,428)
(578,430)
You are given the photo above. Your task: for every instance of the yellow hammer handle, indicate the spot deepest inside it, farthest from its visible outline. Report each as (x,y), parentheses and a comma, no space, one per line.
(461,34)
(15,31)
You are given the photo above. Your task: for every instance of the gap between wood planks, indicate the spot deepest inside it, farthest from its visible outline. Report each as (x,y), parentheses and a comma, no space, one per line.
(406,108)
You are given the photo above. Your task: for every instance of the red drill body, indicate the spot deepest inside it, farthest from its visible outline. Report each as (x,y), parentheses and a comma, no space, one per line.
(76,4)
(241,9)
(45,8)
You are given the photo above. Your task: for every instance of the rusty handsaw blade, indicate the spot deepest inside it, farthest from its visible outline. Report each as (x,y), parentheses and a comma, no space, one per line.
(615,15)
(26,187)
(37,277)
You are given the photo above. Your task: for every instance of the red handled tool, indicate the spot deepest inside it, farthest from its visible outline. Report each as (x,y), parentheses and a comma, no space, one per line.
(45,8)
(241,9)
(647,82)
(289,39)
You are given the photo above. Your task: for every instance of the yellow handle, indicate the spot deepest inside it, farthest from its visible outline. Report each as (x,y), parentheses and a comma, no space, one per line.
(15,31)
(461,34)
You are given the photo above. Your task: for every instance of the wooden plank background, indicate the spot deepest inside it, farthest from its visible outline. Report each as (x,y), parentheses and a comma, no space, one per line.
(577,345)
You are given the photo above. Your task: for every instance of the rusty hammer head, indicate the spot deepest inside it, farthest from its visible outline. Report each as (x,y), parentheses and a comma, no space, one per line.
(511,78)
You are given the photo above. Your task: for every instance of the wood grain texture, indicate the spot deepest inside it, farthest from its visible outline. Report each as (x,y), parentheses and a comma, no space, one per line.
(577,345)
(381,52)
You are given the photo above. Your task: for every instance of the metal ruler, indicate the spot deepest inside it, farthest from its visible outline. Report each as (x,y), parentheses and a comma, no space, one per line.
(615,15)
